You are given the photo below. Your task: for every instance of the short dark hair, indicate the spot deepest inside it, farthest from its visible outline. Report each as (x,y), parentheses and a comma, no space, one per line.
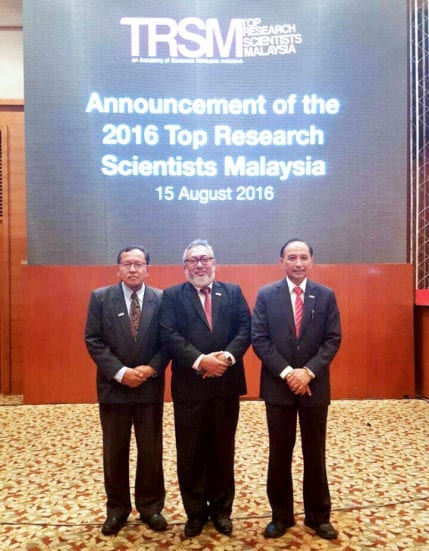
(131,248)
(292,241)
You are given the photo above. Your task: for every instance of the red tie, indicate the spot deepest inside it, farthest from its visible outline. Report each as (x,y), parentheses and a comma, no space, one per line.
(299,306)
(207,304)
(135,314)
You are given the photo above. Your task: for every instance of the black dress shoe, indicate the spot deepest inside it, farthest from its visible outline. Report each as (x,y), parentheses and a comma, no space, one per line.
(112,525)
(276,529)
(324,530)
(194,527)
(155,522)
(223,525)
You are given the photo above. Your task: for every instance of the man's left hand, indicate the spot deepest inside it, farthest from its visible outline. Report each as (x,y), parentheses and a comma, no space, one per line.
(146,371)
(298,381)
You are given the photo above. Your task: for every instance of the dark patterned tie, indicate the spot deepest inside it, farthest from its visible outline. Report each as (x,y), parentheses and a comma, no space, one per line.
(135,314)
(299,306)
(207,304)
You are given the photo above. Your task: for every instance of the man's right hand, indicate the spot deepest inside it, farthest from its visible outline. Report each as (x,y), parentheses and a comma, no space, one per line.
(212,365)
(133,378)
(298,381)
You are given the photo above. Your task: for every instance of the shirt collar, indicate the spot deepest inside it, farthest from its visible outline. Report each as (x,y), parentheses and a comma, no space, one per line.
(128,292)
(292,285)
(198,289)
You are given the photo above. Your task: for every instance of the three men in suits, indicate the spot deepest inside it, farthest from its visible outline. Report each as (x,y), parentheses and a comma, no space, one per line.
(130,388)
(207,379)
(295,382)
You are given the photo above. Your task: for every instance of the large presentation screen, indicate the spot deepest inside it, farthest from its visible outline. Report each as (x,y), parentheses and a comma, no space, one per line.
(244,123)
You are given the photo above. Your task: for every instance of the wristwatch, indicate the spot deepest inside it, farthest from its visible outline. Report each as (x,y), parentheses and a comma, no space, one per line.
(229,361)
(309,372)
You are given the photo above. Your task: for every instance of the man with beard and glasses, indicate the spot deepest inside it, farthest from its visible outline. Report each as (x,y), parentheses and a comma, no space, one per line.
(205,326)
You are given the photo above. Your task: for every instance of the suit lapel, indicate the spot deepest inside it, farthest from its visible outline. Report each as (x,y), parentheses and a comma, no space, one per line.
(192,295)
(121,313)
(310,298)
(217,298)
(149,305)
(285,305)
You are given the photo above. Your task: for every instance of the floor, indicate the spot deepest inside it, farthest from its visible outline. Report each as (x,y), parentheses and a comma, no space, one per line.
(51,482)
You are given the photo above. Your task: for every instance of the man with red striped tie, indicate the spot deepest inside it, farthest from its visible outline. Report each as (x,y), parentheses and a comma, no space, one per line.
(296,333)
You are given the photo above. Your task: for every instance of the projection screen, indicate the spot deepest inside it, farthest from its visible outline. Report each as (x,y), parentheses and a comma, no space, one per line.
(244,123)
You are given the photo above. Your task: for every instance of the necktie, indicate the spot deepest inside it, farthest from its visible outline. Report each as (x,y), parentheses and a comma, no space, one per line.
(135,314)
(299,306)
(207,304)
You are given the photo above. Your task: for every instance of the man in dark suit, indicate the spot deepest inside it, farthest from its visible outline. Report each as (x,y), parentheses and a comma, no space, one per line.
(122,337)
(207,379)
(296,346)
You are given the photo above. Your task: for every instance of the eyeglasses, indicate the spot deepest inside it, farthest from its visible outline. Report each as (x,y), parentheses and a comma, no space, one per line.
(137,265)
(193,260)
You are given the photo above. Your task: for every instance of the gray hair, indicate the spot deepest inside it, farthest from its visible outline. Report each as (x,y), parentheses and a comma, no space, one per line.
(198,243)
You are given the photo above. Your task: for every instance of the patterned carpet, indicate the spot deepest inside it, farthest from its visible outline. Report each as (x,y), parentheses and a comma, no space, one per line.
(51,482)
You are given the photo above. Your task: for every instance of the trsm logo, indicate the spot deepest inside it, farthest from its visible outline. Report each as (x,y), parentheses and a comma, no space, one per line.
(190,40)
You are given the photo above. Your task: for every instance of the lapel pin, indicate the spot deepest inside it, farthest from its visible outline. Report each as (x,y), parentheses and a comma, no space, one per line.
(121,314)
(310,296)
(218,294)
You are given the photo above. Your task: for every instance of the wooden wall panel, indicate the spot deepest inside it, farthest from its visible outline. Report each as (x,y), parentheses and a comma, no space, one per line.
(376,359)
(422,350)
(5,367)
(12,117)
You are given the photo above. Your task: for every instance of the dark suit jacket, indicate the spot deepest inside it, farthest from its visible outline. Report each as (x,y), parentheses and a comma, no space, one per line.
(111,346)
(186,334)
(275,343)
